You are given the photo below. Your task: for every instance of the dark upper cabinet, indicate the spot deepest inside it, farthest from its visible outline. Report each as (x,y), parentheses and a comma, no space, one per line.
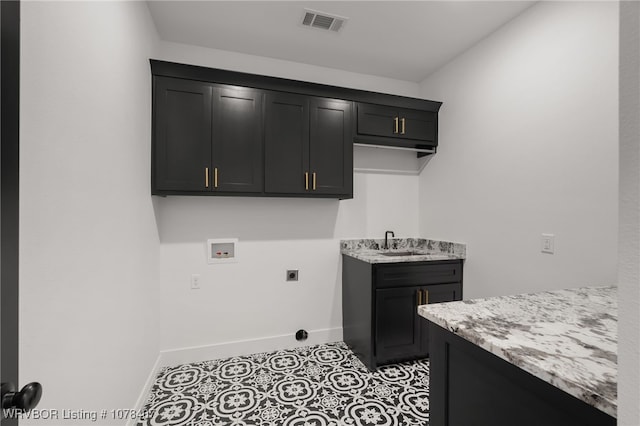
(219,132)
(208,138)
(182,135)
(308,146)
(236,158)
(406,126)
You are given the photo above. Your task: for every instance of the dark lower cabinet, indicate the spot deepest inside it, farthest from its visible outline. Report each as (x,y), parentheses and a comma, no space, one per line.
(400,332)
(380,306)
(308,146)
(208,138)
(470,386)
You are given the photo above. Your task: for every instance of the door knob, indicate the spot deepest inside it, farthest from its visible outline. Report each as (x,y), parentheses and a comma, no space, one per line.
(25,400)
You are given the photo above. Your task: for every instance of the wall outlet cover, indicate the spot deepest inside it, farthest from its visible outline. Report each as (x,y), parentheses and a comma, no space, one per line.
(195,281)
(548,244)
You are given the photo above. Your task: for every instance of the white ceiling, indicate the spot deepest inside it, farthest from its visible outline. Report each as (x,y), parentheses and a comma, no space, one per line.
(404,40)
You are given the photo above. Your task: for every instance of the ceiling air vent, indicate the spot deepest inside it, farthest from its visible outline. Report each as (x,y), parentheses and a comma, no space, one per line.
(323,21)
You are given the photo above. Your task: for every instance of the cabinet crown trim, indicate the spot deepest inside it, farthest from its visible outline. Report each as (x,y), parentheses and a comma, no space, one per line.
(215,75)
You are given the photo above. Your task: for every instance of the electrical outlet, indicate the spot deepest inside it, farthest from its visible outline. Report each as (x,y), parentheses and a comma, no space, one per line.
(292,275)
(195,281)
(548,243)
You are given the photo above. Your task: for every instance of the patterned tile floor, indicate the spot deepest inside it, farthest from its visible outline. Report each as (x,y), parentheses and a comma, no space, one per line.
(324,385)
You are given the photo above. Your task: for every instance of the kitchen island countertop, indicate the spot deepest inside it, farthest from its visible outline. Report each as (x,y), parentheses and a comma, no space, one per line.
(567,338)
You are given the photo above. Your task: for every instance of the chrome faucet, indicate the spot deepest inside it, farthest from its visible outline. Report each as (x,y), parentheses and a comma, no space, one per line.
(386,240)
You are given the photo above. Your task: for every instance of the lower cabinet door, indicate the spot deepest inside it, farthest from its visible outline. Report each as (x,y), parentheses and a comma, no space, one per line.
(398,328)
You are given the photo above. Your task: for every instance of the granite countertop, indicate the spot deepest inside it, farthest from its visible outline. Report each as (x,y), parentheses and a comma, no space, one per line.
(370,250)
(568,338)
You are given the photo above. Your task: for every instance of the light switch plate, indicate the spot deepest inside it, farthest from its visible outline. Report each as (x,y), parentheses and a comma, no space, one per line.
(548,244)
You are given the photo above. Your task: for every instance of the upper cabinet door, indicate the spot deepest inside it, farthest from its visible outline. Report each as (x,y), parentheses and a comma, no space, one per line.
(237,140)
(417,125)
(330,147)
(286,144)
(182,132)
(375,120)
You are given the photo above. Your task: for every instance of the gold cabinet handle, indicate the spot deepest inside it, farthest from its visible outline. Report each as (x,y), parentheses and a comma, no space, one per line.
(419,297)
(426,297)
(206,177)
(215,177)
(306,181)
(395,128)
(402,132)
(314,181)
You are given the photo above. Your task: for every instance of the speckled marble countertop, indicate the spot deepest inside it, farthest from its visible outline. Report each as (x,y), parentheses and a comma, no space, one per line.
(568,338)
(370,250)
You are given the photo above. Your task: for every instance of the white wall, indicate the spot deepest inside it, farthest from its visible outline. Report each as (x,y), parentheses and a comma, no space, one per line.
(529,145)
(251,299)
(629,244)
(89,244)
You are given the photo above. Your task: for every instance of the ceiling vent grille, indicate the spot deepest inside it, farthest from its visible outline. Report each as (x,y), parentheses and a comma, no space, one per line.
(322,20)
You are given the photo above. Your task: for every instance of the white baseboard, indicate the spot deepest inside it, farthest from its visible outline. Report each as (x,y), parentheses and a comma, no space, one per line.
(142,398)
(170,357)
